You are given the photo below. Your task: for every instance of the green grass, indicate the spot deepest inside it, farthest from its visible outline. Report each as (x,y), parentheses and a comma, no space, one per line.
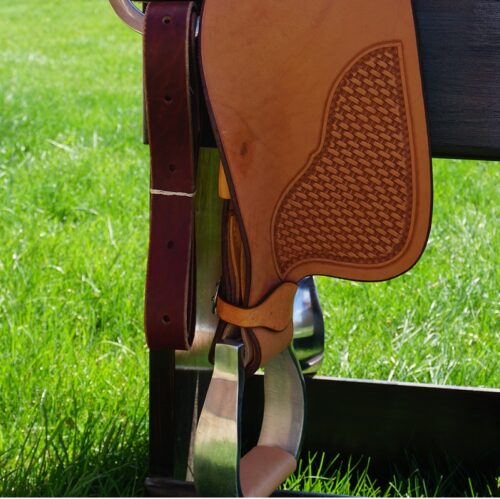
(73,232)
(437,323)
(335,476)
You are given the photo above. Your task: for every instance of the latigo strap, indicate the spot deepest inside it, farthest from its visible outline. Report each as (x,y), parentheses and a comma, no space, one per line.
(171,117)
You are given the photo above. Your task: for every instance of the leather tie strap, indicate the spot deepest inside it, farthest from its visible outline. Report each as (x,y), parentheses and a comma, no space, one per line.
(168,79)
(274,312)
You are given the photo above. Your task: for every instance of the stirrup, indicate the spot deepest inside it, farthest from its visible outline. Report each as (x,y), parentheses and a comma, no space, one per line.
(129,14)
(218,469)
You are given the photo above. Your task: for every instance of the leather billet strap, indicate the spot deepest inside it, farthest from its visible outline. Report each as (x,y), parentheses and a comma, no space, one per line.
(172,127)
(273,317)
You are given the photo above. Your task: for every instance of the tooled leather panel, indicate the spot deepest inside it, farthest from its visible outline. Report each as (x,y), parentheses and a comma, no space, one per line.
(353,204)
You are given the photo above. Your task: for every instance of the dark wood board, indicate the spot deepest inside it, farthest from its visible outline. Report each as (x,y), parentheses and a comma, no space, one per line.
(161,412)
(460,58)
(448,431)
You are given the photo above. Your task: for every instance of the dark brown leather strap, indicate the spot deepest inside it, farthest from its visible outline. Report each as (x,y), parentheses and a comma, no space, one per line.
(170,286)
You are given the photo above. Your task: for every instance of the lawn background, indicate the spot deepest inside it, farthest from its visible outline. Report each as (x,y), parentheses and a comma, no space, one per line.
(73,231)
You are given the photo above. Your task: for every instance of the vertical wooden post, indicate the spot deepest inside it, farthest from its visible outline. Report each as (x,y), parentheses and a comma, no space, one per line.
(161,412)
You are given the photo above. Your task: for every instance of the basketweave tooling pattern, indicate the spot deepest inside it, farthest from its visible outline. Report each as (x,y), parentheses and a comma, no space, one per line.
(353,203)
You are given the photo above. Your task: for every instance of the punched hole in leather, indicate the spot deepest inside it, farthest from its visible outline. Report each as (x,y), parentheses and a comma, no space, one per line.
(171,117)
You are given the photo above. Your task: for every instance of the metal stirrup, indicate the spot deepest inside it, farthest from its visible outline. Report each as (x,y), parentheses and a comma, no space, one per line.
(133,17)
(218,469)
(129,14)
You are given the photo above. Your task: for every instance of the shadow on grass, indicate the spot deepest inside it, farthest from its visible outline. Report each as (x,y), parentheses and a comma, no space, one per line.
(110,459)
(99,458)
(338,476)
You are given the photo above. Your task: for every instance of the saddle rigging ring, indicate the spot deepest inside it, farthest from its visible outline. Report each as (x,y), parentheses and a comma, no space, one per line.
(129,14)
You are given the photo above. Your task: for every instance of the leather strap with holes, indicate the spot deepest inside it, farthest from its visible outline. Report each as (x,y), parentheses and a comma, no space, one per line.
(172,128)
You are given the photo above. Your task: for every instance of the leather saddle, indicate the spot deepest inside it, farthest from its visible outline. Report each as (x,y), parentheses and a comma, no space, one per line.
(318,113)
(319,118)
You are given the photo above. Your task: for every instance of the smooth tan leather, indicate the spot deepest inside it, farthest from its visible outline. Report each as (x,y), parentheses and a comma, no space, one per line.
(319,116)
(273,313)
(262,468)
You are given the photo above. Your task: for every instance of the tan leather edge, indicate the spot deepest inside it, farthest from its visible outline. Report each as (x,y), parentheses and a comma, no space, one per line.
(274,312)
(420,225)
(243,269)
(233,251)
(223,185)
(271,344)
(263,469)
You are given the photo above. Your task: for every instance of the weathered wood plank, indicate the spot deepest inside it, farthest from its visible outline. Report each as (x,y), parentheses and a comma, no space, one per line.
(161,412)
